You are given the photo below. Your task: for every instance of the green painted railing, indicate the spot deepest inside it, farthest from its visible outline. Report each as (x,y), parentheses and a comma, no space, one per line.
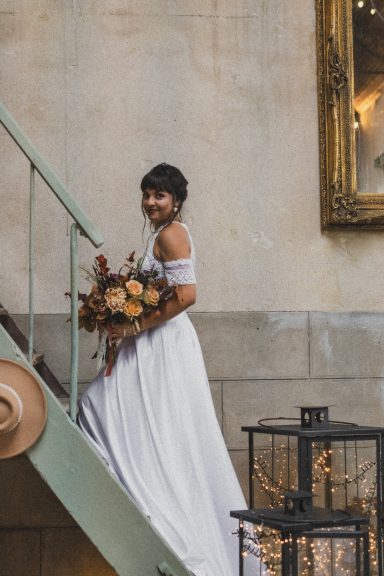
(81,223)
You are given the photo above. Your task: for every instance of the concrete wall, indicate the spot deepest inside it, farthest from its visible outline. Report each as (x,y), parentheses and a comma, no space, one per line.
(225,90)
(38,536)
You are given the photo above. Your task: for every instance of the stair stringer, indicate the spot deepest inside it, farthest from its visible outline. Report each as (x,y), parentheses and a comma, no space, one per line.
(87,489)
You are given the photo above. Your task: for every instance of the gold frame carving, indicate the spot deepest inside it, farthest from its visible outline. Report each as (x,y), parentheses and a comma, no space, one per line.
(341,205)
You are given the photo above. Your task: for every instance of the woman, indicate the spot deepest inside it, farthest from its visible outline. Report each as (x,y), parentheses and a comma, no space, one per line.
(153,419)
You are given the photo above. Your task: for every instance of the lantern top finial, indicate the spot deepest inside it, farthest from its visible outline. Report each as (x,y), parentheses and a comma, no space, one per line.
(314,416)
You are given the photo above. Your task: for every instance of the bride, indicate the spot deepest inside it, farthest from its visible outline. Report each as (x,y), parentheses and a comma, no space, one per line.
(153,419)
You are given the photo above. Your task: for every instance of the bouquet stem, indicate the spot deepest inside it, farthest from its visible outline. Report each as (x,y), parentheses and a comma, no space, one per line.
(106,353)
(110,356)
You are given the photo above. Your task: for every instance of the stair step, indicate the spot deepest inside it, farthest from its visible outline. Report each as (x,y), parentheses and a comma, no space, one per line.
(37,358)
(65,404)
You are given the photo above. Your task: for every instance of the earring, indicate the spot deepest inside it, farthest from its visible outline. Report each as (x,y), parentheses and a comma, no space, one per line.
(175,208)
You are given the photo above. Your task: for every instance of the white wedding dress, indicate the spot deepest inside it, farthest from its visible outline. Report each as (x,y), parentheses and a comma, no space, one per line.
(154,423)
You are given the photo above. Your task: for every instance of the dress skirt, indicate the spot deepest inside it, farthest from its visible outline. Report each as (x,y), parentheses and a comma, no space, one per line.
(154,423)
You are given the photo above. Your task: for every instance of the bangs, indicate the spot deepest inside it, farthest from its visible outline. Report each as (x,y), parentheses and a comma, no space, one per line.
(156,182)
(166,178)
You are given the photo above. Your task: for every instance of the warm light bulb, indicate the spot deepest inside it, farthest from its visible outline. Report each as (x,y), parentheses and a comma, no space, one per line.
(360,3)
(373,11)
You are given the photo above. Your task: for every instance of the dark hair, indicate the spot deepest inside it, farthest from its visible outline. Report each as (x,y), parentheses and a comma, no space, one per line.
(166,178)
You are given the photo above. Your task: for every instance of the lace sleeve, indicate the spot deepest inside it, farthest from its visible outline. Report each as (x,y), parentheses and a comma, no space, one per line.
(178,272)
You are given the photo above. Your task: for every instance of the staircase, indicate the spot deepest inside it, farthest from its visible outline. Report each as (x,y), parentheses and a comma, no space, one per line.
(38,360)
(62,456)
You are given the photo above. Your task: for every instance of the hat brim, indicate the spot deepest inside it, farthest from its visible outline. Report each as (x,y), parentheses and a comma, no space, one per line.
(34,416)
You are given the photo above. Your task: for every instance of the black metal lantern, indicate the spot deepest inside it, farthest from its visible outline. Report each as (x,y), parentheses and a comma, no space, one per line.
(340,463)
(302,547)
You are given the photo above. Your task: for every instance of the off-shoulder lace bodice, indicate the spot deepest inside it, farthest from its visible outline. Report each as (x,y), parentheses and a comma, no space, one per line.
(176,272)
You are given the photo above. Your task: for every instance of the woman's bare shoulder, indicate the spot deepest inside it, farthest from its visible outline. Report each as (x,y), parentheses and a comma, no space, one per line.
(173,242)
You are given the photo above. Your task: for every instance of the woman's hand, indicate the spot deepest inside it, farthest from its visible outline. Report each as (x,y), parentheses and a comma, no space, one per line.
(118,331)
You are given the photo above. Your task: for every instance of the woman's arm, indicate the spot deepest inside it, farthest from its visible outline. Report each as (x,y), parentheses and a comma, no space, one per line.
(171,244)
(183,297)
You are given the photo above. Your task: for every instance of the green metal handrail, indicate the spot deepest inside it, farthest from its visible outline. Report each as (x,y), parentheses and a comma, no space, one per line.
(87,227)
(82,223)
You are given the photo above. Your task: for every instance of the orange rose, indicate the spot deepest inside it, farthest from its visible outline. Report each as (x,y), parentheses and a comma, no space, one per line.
(133,308)
(151,296)
(134,288)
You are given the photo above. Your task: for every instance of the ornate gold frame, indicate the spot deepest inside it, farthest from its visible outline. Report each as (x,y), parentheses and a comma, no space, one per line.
(341,205)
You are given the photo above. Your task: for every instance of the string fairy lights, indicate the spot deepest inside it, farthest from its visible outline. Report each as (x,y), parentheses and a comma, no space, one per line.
(374,10)
(332,557)
(275,472)
(265,544)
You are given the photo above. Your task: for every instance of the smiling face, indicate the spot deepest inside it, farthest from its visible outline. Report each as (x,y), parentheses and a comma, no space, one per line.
(158,206)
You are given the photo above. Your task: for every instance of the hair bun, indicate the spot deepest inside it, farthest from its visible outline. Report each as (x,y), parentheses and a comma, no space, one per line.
(163,168)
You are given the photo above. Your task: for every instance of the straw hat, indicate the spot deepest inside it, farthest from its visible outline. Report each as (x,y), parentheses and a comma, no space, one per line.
(23,409)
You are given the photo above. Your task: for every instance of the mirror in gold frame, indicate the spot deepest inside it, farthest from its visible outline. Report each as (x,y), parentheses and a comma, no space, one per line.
(350,37)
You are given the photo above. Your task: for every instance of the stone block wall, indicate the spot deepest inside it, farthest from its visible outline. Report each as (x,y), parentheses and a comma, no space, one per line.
(37,535)
(264,365)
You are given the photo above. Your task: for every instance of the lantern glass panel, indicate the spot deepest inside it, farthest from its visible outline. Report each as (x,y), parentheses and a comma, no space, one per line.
(274,469)
(343,476)
(343,473)
(330,556)
(308,556)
